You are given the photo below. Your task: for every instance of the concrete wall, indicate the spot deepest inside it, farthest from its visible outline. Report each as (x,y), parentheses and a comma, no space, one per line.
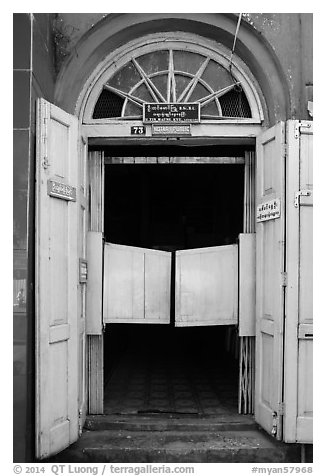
(33,76)
(290,37)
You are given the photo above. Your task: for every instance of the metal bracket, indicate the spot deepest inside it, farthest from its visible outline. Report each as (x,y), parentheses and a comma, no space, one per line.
(297,130)
(44,138)
(83,270)
(301,193)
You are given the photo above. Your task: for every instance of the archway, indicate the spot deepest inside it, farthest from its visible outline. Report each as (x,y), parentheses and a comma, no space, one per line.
(101,63)
(107,36)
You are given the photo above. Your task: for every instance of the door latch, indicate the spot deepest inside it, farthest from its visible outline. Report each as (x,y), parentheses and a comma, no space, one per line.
(301,193)
(297,129)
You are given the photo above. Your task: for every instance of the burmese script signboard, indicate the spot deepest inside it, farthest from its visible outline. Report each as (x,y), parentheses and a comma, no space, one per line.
(61,190)
(269,210)
(171,113)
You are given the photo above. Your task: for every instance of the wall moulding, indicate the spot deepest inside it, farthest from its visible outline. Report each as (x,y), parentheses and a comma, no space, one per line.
(107,36)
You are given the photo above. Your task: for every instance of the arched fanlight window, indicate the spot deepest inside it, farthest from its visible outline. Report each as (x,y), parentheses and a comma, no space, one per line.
(172,75)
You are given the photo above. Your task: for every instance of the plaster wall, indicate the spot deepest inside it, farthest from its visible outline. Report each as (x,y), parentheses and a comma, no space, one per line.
(33,77)
(285,40)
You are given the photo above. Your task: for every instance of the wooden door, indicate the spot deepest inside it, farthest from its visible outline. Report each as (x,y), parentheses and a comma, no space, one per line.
(82,204)
(298,392)
(206,291)
(59,325)
(137,284)
(270,267)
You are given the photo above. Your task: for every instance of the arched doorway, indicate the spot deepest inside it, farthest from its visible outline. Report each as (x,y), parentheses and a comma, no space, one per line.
(180,69)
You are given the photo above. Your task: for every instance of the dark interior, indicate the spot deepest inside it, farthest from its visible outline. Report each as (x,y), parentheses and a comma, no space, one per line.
(161,368)
(175,206)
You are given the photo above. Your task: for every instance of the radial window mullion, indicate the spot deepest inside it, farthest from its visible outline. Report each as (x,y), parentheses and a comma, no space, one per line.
(171,87)
(154,92)
(191,86)
(218,105)
(134,99)
(207,99)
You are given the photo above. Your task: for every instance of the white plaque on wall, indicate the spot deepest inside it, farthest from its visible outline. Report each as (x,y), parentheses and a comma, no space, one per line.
(269,210)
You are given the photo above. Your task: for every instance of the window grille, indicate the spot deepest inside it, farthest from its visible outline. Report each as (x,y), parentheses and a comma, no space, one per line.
(235,104)
(108,105)
(172,75)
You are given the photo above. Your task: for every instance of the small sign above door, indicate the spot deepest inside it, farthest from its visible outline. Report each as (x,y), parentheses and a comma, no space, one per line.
(61,190)
(171,112)
(171,130)
(269,210)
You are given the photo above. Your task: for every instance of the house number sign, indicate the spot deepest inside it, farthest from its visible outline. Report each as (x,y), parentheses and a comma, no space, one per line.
(61,190)
(269,210)
(171,112)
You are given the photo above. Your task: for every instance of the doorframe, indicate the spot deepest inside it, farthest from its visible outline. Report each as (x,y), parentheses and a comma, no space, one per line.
(221,132)
(234,132)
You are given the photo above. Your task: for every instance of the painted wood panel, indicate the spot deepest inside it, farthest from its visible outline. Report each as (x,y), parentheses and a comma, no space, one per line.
(137,285)
(95,357)
(94,323)
(57,257)
(82,191)
(207,286)
(247,286)
(298,424)
(94,318)
(270,177)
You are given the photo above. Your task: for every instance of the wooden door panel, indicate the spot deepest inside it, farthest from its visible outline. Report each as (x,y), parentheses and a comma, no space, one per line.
(270,234)
(298,425)
(157,286)
(207,286)
(247,280)
(82,201)
(137,285)
(56,282)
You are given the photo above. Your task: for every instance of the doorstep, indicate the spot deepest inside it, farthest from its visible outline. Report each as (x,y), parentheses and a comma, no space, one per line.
(120,439)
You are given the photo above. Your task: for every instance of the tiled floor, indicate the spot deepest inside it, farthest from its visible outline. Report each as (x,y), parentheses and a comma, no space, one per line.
(167,382)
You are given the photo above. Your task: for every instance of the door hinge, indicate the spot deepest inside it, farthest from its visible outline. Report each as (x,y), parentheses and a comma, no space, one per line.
(281,408)
(277,418)
(45,162)
(284,276)
(80,424)
(301,193)
(274,424)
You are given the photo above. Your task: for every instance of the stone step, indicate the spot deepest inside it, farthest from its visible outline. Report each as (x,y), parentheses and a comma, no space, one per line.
(159,422)
(121,446)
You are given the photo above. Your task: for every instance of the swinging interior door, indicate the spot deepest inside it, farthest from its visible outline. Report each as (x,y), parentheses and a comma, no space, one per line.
(137,285)
(270,267)
(58,325)
(206,290)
